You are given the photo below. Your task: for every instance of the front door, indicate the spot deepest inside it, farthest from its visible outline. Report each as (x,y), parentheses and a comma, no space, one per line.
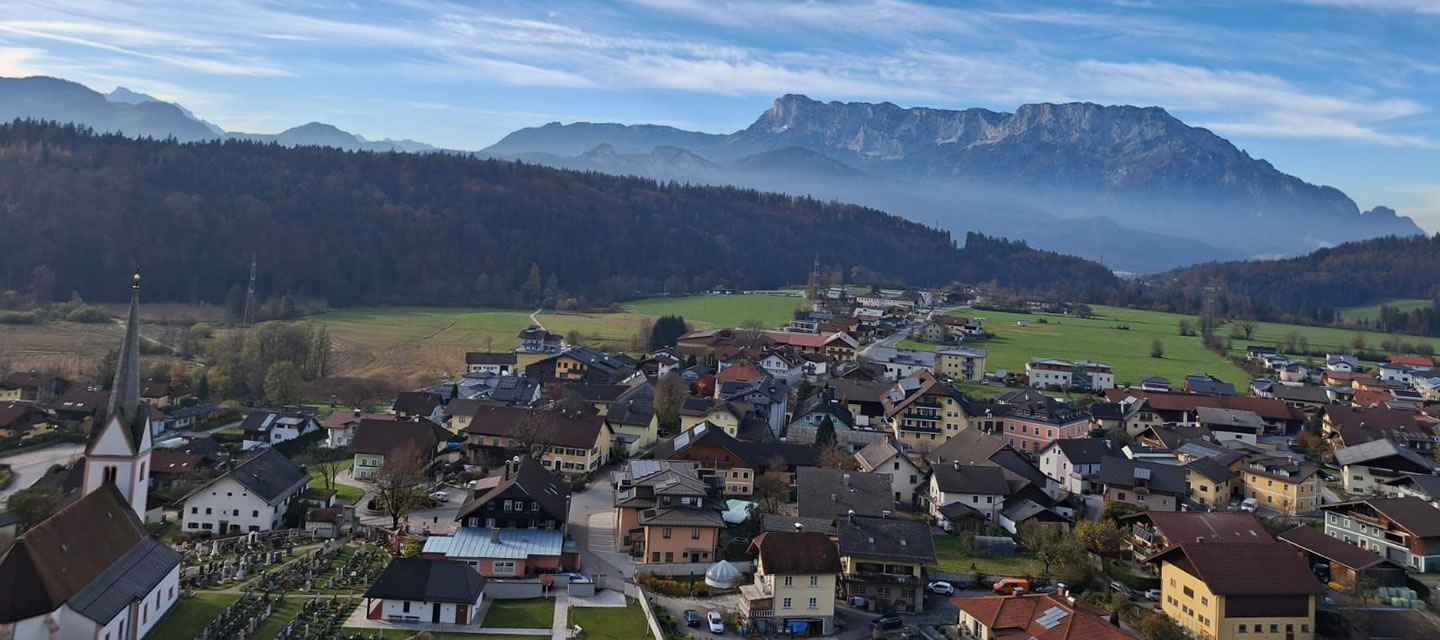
(435,612)
(462,614)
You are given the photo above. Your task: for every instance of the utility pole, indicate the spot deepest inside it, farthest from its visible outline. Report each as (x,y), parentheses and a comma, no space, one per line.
(250,294)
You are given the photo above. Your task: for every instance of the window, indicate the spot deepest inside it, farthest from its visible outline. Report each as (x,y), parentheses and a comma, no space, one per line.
(1172,582)
(1289,628)
(503,567)
(1241,629)
(207,511)
(194,510)
(1189,593)
(814,581)
(785,604)
(1274,628)
(665,533)
(1304,628)
(788,580)
(669,556)
(406,607)
(694,534)
(1204,601)
(655,556)
(110,474)
(507,505)
(535,506)
(255,513)
(812,603)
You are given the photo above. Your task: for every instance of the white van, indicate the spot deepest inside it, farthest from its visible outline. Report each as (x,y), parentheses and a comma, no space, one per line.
(1248,504)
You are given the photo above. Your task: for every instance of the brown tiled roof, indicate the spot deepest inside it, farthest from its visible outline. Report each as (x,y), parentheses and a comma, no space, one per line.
(1244,569)
(385,436)
(1358,426)
(339,419)
(1018,616)
(1187,526)
(1414,514)
(174,462)
(797,552)
(1310,539)
(742,371)
(1267,408)
(554,428)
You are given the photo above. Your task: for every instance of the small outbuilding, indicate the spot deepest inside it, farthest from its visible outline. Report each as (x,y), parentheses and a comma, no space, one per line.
(428,591)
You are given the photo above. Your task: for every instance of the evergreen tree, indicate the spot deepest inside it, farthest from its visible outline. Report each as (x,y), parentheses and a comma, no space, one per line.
(825,435)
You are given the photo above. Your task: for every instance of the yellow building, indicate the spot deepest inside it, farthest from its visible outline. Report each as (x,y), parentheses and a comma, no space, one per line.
(1210,483)
(1281,485)
(568,443)
(883,560)
(9,393)
(795,574)
(923,412)
(726,415)
(961,363)
(376,441)
(1238,591)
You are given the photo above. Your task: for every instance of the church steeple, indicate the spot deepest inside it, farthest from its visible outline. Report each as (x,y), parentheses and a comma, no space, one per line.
(125,392)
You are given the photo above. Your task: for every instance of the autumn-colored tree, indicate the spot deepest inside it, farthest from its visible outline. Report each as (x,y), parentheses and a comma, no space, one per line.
(1104,537)
(670,394)
(834,456)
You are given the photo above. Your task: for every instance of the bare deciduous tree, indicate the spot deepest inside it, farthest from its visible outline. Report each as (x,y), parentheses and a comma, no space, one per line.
(670,393)
(398,483)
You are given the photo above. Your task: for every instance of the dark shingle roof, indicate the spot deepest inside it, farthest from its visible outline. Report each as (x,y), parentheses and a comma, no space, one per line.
(968,478)
(755,454)
(1124,472)
(865,493)
(381,437)
(1244,568)
(416,403)
(1210,469)
(418,579)
(1332,549)
(481,357)
(802,552)
(554,428)
(780,522)
(128,579)
(1413,514)
(970,446)
(533,480)
(898,539)
(270,475)
(1084,450)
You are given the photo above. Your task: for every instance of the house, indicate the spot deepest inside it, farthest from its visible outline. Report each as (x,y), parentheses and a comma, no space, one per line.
(268,428)
(981,488)
(1212,484)
(1148,485)
(814,409)
(80,402)
(726,415)
(1231,424)
(795,583)
(161,394)
(922,412)
(885,457)
(412,405)
(739,462)
(668,511)
(1404,530)
(567,442)
(883,560)
(1401,373)
(253,496)
(32,386)
(768,398)
(537,340)
(580,364)
(183,418)
(1029,420)
(1206,384)
(340,426)
(1236,591)
(1180,408)
(1155,383)
(943,329)
(839,346)
(1283,485)
(823,493)
(784,365)
(902,363)
(1367,466)
(1063,375)
(514,391)
(378,440)
(92,570)
(1150,532)
(168,468)
(459,412)
(739,370)
(632,420)
(527,496)
(1301,396)
(1073,463)
(17,418)
(1052,616)
(968,447)
(426,591)
(1131,414)
(961,364)
(863,398)
(1348,426)
(1348,564)
(1342,363)
(658,363)
(1414,486)
(494,363)
(323,522)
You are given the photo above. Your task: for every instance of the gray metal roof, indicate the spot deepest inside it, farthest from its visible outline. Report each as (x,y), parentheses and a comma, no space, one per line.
(514,544)
(131,577)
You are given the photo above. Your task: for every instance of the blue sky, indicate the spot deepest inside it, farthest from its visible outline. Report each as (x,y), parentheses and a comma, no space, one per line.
(1338,92)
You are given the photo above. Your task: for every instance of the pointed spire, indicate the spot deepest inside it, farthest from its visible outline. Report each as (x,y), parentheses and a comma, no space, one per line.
(125,392)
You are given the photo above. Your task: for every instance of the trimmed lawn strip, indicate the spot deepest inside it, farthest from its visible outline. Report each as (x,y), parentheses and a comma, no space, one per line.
(611,623)
(535,613)
(401,634)
(188,617)
(950,559)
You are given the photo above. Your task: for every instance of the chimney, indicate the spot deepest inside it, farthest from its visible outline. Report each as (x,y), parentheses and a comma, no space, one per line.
(957,465)
(357,412)
(799,527)
(834,498)
(851,516)
(885,513)
(495,535)
(1019,591)
(1060,589)
(846,479)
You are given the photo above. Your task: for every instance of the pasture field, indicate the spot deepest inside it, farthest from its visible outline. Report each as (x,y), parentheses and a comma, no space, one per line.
(1372,311)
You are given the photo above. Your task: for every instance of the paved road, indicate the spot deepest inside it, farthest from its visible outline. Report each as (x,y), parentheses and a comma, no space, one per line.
(30,465)
(592,526)
(440,519)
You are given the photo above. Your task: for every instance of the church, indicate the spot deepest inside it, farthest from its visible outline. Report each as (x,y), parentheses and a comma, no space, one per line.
(92,571)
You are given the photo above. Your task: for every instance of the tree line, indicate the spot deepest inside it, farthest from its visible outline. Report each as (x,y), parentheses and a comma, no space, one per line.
(435,229)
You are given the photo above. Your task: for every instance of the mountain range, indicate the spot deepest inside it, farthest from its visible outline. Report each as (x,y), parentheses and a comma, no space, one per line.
(1133,188)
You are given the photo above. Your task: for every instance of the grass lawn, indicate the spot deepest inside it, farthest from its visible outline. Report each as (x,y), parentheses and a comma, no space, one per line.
(535,613)
(399,634)
(1372,311)
(722,311)
(611,623)
(189,616)
(1322,338)
(949,558)
(344,493)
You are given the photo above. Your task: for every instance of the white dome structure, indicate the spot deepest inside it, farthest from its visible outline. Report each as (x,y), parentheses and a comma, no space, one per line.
(722,575)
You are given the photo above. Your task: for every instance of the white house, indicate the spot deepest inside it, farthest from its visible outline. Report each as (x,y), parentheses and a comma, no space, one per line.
(905,476)
(1405,374)
(500,364)
(982,488)
(1342,363)
(1071,462)
(786,367)
(425,591)
(267,428)
(253,496)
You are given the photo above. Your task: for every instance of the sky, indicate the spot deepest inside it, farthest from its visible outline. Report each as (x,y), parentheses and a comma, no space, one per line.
(1338,92)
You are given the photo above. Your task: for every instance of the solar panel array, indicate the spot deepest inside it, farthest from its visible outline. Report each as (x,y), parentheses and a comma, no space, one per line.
(1051,617)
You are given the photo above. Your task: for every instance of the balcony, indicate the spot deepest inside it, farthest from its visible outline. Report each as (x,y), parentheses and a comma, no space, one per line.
(926,404)
(875,577)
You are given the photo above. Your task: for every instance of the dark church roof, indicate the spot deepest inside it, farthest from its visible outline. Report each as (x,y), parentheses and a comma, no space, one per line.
(124,403)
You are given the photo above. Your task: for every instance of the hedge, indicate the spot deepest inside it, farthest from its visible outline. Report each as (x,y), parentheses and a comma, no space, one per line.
(1119,570)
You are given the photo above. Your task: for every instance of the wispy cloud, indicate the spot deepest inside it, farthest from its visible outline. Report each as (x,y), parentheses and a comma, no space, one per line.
(17,61)
(1428,7)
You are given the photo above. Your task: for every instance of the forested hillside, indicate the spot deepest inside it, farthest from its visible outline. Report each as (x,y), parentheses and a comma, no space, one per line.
(437,229)
(1310,288)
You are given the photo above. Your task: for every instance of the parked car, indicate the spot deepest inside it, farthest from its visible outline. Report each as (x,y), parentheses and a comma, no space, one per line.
(885,623)
(440,496)
(858,602)
(692,618)
(941,587)
(1152,595)
(576,577)
(1046,589)
(1122,588)
(1007,586)
(717,623)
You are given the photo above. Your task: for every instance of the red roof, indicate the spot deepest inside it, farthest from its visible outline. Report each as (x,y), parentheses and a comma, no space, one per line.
(811,340)
(1244,568)
(1419,361)
(1017,616)
(1371,397)
(742,371)
(1189,526)
(1267,408)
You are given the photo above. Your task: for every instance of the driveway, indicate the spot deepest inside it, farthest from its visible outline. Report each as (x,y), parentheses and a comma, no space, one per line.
(440,519)
(676,606)
(592,526)
(31,465)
